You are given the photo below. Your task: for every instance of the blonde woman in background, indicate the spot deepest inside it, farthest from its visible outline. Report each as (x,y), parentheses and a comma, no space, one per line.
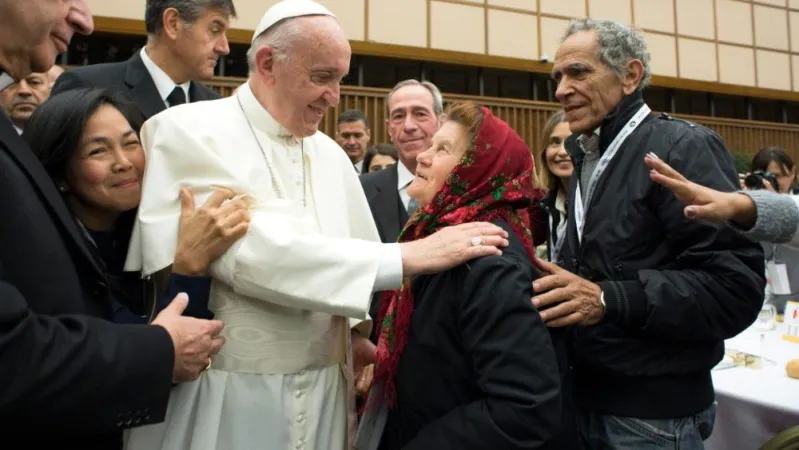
(554,174)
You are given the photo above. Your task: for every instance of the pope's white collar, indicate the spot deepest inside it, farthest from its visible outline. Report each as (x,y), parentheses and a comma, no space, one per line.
(261,119)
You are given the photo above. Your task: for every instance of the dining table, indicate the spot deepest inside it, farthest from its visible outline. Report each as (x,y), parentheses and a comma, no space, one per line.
(755,400)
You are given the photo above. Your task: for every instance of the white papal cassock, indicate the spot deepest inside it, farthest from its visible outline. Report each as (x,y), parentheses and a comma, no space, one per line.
(284,291)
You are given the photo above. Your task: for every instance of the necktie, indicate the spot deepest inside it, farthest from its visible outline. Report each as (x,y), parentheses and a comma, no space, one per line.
(413,205)
(176,97)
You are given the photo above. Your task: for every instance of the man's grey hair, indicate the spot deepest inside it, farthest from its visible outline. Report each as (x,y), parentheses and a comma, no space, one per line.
(618,45)
(188,11)
(279,37)
(438,100)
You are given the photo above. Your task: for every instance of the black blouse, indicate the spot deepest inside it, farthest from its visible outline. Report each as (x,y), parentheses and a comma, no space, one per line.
(127,304)
(479,370)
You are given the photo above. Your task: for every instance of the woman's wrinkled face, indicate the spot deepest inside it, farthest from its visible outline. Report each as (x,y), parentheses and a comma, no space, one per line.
(434,165)
(558,161)
(104,177)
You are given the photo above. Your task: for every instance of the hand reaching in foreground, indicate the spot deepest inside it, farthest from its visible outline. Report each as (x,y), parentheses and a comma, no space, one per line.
(703,203)
(195,340)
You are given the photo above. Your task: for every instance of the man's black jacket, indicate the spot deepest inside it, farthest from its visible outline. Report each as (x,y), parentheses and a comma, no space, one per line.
(674,288)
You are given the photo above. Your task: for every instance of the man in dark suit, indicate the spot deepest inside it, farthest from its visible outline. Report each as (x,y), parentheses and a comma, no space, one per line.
(185,39)
(415,112)
(70,378)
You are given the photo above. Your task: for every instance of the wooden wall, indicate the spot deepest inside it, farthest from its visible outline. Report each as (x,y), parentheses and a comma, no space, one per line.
(529,117)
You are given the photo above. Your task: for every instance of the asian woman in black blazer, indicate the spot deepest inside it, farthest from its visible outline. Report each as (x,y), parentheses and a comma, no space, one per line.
(87,140)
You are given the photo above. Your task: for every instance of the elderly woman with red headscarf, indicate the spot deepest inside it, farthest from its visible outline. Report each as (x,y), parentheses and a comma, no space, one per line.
(463,358)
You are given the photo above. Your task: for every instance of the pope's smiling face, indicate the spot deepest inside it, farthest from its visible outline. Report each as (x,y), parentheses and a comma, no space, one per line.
(305,81)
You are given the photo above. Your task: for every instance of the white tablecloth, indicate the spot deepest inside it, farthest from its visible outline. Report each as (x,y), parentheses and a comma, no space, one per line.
(755,404)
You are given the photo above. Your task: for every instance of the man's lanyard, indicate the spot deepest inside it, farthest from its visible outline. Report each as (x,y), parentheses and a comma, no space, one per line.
(579,209)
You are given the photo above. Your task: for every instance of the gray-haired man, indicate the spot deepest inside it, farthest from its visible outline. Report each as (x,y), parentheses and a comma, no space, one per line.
(653,295)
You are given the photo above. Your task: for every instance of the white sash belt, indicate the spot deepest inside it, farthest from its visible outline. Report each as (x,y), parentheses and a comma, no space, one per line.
(265,338)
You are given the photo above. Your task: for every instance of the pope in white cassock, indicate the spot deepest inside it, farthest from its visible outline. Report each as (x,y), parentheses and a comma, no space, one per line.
(291,290)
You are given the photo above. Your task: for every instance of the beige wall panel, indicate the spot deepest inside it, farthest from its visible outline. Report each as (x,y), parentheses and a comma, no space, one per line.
(734,21)
(552,31)
(351,15)
(795,62)
(736,65)
(527,5)
(512,34)
(771,28)
(794,17)
(611,9)
(457,27)
(773,70)
(697,59)
(773,2)
(655,15)
(122,9)
(794,4)
(664,54)
(567,8)
(402,23)
(695,18)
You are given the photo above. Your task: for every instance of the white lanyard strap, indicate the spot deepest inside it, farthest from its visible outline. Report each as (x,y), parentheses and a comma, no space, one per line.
(579,209)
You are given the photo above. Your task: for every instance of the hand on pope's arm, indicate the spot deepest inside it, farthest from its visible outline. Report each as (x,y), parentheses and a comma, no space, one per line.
(206,232)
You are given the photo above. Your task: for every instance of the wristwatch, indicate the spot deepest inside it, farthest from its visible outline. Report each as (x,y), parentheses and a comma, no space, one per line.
(602,300)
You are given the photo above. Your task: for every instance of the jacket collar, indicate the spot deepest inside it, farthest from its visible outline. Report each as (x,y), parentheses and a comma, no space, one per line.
(615,121)
(609,127)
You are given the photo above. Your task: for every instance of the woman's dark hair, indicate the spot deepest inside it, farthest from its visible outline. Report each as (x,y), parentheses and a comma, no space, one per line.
(379,149)
(54,130)
(768,155)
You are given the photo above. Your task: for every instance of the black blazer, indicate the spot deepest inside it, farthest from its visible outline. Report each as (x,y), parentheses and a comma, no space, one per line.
(388,213)
(70,378)
(130,78)
(480,371)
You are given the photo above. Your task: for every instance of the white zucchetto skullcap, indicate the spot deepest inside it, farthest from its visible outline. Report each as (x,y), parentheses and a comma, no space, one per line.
(287,9)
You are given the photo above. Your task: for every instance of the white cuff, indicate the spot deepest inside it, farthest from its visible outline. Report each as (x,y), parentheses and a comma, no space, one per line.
(389,274)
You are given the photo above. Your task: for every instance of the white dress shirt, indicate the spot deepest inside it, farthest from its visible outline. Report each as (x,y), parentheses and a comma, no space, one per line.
(359,167)
(5,81)
(404,178)
(162,81)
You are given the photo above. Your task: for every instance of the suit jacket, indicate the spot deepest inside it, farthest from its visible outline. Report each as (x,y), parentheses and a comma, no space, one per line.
(388,213)
(130,78)
(479,371)
(71,378)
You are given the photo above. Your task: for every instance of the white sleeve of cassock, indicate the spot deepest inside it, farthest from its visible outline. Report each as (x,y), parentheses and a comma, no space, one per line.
(277,260)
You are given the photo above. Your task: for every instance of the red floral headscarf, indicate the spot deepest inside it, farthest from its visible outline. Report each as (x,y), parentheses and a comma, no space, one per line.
(494,180)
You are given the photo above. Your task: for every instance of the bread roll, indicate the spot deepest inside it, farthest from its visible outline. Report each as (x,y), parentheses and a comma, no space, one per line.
(793,368)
